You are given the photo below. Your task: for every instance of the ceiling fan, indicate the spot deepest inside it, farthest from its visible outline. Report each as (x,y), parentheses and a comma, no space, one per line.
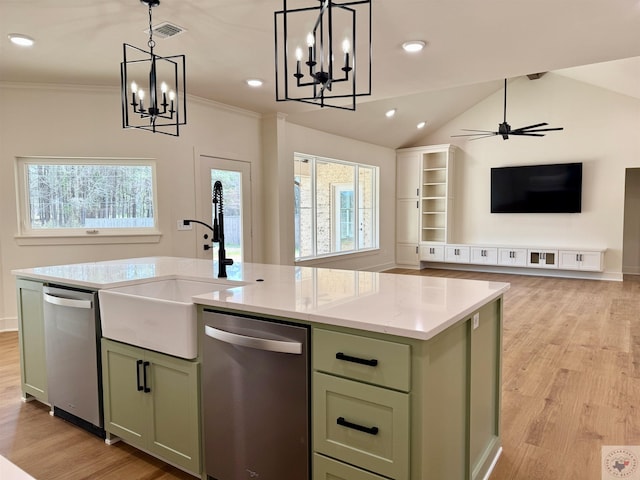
(504,128)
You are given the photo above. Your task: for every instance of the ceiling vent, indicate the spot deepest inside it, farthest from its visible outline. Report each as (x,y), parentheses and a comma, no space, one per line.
(166,30)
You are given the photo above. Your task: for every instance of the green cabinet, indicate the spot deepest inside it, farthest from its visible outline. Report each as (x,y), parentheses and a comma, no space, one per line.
(361,424)
(33,366)
(152,401)
(360,406)
(456,399)
(435,404)
(325,468)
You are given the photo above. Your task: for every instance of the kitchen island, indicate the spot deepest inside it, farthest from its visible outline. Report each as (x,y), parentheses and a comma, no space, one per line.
(439,404)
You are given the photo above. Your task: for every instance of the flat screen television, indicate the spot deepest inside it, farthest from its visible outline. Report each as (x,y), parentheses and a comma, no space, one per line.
(553,188)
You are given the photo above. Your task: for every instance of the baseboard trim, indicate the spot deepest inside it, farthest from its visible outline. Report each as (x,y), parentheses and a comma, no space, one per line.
(536,272)
(493,464)
(9,324)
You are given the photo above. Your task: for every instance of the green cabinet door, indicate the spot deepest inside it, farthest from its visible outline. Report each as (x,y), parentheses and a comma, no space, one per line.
(125,406)
(151,401)
(175,424)
(33,365)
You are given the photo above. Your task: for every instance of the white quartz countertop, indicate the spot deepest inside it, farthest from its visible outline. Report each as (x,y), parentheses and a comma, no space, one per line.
(414,306)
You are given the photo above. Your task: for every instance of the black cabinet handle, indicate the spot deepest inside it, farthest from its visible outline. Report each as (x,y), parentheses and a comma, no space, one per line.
(144,371)
(355,426)
(348,358)
(138,363)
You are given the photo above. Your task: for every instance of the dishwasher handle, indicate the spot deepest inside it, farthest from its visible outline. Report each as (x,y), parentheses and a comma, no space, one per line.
(258,343)
(67,302)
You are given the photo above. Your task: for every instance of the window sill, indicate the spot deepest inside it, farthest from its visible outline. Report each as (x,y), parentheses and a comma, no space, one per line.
(310,262)
(100,239)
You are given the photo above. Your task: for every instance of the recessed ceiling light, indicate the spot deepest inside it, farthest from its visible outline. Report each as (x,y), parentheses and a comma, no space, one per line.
(413,46)
(254,82)
(390,113)
(421,125)
(19,39)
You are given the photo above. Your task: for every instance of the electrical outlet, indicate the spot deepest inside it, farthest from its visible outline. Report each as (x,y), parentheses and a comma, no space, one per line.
(476,320)
(182,226)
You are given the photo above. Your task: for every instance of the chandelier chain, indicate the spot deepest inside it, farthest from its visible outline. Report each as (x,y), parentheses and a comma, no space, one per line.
(151,42)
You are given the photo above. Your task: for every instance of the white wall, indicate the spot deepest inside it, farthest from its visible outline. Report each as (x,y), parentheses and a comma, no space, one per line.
(600,129)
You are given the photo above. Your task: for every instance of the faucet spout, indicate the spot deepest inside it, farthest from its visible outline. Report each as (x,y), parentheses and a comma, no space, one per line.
(189,222)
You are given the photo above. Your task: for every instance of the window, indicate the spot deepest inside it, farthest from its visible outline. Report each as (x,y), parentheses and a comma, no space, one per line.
(335,207)
(86,196)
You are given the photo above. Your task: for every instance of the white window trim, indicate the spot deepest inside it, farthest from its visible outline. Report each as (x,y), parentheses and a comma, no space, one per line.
(68,236)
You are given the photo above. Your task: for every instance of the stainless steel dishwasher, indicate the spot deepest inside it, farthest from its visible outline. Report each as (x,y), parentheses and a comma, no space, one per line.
(72,344)
(255,398)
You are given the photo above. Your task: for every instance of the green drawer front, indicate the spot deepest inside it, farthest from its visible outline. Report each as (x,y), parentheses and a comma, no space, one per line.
(387,451)
(393,359)
(325,468)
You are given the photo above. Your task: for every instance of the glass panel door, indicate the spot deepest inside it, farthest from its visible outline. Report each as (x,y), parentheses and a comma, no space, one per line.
(236,187)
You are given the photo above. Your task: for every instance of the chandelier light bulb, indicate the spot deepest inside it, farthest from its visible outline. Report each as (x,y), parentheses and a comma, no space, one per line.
(346,45)
(134,87)
(298,54)
(21,40)
(172,95)
(310,40)
(413,46)
(163,87)
(141,94)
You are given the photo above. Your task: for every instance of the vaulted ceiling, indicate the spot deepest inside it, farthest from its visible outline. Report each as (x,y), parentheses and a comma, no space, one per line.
(471,46)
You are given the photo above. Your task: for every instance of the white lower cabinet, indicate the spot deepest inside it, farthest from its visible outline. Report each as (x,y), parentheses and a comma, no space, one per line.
(407,254)
(542,258)
(432,253)
(484,255)
(578,259)
(513,257)
(581,260)
(456,253)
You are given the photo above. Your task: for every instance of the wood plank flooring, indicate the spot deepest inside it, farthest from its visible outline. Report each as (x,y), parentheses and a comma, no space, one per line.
(571,383)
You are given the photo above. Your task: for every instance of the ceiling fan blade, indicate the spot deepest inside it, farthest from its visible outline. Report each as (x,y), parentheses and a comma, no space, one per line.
(542,130)
(527,134)
(487,134)
(474,130)
(531,126)
(505,101)
(482,136)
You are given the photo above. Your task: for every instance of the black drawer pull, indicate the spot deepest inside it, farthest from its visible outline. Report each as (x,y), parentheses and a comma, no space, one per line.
(144,371)
(138,363)
(355,426)
(348,358)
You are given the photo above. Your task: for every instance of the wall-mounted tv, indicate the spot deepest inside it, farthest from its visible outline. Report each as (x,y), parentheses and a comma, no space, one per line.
(553,188)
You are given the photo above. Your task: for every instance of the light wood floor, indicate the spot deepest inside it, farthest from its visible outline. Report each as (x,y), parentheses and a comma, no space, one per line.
(571,384)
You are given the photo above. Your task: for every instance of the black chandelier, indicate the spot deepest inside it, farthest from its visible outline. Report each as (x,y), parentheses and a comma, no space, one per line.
(322,37)
(153,87)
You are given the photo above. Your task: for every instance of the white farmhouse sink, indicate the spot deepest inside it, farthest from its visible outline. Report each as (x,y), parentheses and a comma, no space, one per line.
(157,315)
